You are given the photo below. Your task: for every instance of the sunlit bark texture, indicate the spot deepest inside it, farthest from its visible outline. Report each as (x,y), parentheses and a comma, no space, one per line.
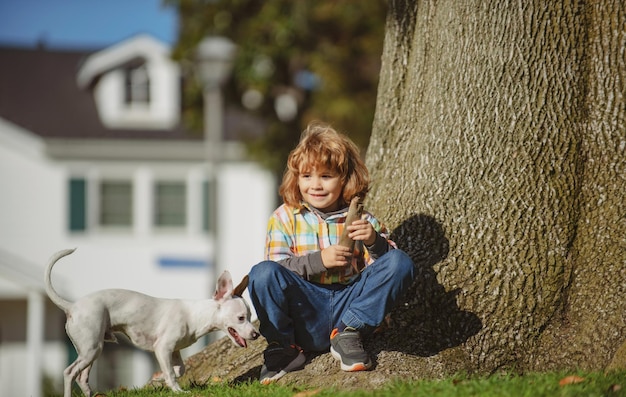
(498,159)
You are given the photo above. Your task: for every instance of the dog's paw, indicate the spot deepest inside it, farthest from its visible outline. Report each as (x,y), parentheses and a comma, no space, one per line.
(177,389)
(157,377)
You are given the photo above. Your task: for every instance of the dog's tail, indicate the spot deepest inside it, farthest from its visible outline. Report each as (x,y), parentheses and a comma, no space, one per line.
(54,296)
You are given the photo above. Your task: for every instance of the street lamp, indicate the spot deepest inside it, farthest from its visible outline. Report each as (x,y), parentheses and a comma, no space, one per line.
(214,62)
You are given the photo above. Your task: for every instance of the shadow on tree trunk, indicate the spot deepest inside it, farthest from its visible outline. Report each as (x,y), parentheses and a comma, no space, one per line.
(428,320)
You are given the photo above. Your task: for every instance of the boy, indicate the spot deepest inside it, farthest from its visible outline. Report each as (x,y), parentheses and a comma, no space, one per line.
(312,293)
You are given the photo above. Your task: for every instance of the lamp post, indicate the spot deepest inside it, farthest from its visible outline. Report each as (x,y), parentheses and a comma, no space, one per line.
(214,61)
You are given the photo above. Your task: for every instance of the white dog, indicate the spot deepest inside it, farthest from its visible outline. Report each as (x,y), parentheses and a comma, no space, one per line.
(164,326)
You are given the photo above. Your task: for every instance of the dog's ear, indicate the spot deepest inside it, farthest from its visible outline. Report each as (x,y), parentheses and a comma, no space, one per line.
(224,285)
(241,287)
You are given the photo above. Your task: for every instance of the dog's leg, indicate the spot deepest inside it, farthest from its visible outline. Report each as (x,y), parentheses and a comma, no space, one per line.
(83,380)
(88,342)
(78,370)
(178,364)
(164,357)
(68,378)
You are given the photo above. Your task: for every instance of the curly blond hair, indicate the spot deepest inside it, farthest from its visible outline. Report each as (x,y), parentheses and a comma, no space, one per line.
(322,147)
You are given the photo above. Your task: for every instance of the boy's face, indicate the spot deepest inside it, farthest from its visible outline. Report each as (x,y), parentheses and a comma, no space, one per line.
(321,188)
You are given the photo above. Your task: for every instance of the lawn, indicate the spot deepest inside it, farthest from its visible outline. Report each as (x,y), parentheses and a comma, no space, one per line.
(573,384)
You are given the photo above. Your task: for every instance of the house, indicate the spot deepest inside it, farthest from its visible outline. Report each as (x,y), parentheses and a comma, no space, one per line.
(93,155)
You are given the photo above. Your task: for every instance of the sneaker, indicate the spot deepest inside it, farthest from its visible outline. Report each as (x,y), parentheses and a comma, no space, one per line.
(347,347)
(279,361)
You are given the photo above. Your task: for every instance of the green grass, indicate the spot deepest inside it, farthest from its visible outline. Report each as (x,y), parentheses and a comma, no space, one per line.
(502,385)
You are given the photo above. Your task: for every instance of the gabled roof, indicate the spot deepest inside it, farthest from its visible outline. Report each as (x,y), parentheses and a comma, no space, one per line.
(39,92)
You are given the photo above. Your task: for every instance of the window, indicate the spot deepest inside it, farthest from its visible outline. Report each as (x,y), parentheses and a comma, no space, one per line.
(116,203)
(170,204)
(110,204)
(137,85)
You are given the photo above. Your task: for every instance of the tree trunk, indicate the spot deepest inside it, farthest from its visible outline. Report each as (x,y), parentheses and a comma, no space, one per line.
(498,159)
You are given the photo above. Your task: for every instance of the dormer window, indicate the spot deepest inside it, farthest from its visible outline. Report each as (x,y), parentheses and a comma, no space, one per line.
(137,85)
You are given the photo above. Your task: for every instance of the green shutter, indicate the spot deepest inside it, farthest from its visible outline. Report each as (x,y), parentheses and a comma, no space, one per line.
(77,205)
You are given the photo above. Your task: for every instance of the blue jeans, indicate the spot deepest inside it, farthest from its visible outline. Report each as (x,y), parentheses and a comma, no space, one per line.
(292,310)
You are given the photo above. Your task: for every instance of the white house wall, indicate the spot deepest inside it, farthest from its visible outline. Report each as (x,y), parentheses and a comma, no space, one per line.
(248,194)
(31,203)
(129,258)
(246,199)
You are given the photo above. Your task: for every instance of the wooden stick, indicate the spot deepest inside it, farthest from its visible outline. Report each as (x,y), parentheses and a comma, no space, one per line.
(354,213)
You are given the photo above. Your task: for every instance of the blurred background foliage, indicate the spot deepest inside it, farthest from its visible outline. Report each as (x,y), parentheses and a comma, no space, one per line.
(296,61)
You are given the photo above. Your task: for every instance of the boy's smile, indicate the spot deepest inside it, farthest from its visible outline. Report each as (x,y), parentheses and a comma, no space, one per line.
(321,189)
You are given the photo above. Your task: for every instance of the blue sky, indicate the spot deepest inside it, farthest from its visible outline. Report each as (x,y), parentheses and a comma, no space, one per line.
(83,24)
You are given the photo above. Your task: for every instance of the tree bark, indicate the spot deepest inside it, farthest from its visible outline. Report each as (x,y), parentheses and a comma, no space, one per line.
(498,159)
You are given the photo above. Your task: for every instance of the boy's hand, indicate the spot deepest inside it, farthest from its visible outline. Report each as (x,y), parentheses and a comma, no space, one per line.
(362,230)
(336,256)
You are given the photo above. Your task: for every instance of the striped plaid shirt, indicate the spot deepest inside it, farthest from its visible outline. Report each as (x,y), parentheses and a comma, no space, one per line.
(295,238)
